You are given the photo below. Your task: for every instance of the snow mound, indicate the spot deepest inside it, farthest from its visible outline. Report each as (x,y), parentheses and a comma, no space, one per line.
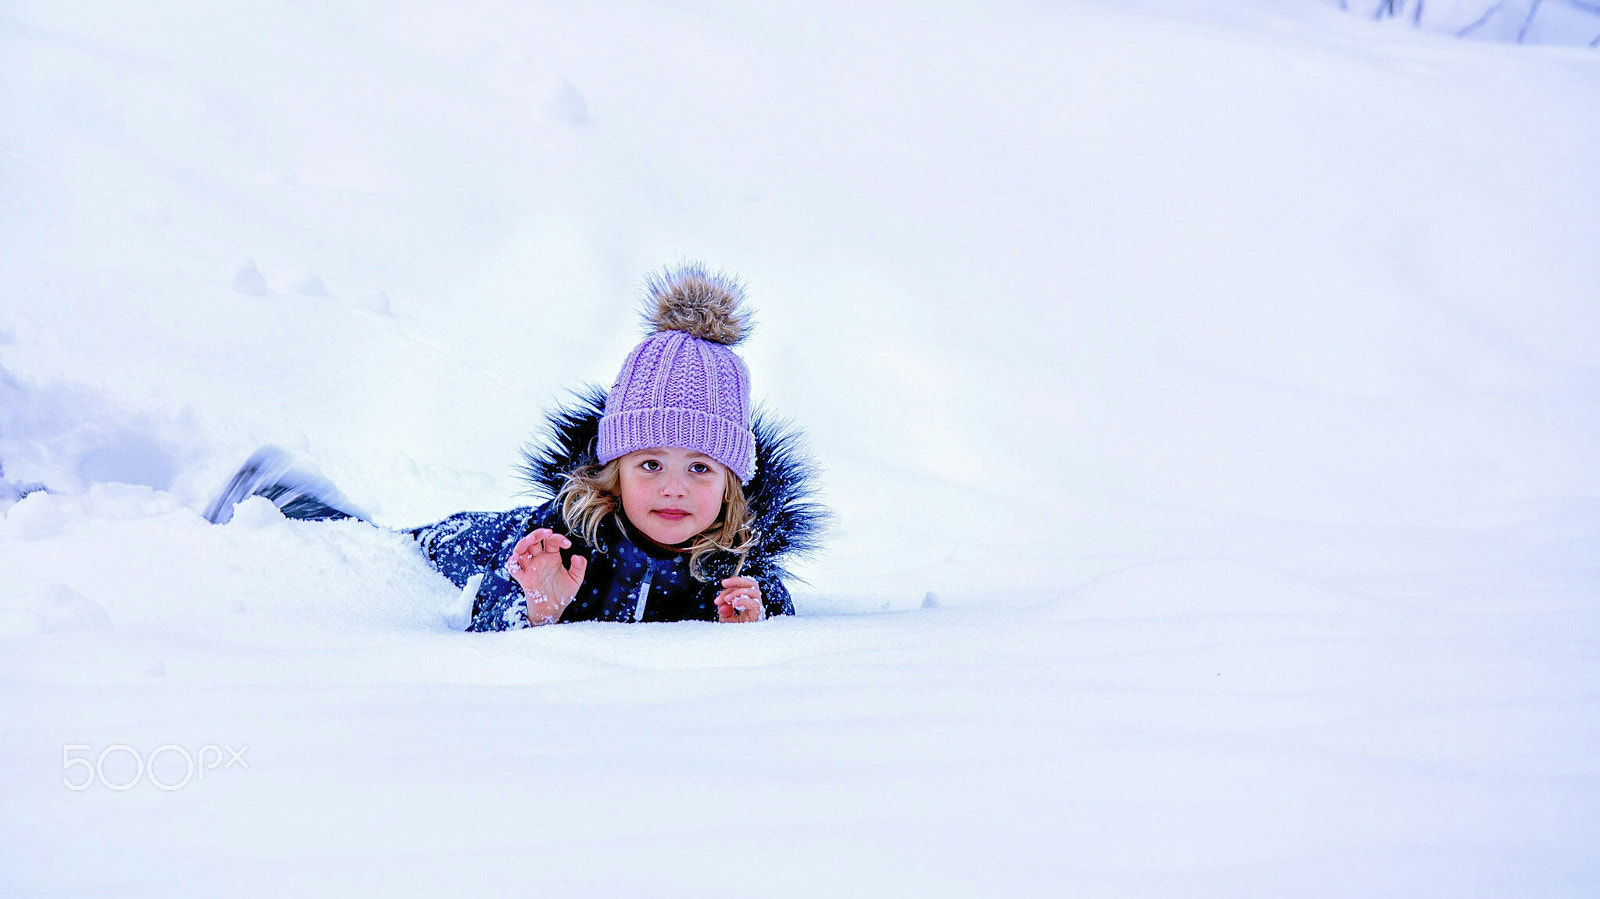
(52,609)
(36,516)
(262,579)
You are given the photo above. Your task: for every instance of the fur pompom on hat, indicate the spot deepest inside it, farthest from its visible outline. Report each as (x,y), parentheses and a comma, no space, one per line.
(683,385)
(709,306)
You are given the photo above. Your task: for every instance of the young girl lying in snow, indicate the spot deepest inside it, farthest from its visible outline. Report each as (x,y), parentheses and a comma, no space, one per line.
(666,501)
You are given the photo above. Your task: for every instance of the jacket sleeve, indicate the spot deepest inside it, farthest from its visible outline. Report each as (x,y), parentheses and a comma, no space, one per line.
(499,605)
(466,543)
(472,546)
(774,595)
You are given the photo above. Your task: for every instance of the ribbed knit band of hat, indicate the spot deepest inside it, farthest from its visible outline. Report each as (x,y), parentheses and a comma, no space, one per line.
(683,385)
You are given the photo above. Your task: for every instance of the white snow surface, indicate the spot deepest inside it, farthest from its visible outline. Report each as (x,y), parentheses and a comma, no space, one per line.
(1227,370)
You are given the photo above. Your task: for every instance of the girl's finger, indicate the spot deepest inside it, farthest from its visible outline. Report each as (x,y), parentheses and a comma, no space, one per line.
(542,540)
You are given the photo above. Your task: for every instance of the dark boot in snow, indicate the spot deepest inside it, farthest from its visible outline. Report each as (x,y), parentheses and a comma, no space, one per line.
(270,472)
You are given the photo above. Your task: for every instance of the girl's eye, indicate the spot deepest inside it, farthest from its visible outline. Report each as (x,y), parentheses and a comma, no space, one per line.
(650,465)
(699,468)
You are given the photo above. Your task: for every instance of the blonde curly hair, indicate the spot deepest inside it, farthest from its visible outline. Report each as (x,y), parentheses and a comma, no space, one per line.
(593,492)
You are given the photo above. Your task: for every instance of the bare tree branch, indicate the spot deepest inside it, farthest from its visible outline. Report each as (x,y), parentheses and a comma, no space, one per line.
(1533,10)
(1391,9)
(1481,19)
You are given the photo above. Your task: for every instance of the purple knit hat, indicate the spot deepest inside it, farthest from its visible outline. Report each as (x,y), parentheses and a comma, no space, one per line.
(683,386)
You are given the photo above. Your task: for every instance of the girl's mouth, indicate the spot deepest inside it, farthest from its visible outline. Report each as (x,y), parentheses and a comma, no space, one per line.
(672,514)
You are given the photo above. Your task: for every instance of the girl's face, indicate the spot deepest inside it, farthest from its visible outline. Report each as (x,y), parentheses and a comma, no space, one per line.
(671,494)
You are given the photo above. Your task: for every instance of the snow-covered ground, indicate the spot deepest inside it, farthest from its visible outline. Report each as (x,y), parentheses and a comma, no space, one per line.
(1228,372)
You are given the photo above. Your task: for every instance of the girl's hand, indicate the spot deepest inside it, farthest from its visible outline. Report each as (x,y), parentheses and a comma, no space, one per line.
(535,565)
(740,600)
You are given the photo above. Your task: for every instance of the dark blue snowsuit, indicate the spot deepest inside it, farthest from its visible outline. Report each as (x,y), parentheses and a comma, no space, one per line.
(629,578)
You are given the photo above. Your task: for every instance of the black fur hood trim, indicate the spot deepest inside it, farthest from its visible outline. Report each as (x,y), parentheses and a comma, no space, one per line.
(785,518)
